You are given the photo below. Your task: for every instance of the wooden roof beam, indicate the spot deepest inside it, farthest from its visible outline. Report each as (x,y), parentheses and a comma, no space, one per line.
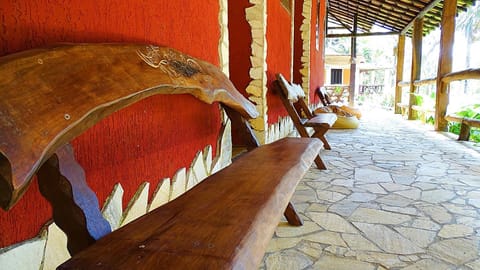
(364,25)
(340,21)
(420,15)
(362,34)
(380,11)
(392,8)
(385,19)
(347,16)
(419,3)
(385,15)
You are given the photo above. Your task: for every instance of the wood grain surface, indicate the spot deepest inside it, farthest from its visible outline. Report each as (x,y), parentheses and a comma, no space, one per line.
(50,96)
(225,222)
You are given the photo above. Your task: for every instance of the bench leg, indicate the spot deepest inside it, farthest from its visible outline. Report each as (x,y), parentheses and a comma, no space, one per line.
(292,216)
(320,133)
(319,163)
(75,206)
(326,145)
(464,132)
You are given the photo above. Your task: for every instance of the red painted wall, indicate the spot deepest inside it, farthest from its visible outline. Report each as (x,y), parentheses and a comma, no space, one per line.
(279,56)
(145,142)
(317,62)
(240,42)
(297,42)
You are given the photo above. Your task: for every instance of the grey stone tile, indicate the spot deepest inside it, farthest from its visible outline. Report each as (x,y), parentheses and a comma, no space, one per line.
(395,196)
(455,251)
(387,239)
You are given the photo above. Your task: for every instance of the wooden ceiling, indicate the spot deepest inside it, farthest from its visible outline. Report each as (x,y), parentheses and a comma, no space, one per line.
(394,16)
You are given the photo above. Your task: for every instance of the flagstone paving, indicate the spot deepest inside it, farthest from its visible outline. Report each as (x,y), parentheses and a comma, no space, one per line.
(395,196)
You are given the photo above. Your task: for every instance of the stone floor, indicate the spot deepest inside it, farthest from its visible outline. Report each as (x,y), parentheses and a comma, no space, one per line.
(395,196)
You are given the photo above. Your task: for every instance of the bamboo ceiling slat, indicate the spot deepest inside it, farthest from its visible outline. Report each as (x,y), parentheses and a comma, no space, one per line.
(392,15)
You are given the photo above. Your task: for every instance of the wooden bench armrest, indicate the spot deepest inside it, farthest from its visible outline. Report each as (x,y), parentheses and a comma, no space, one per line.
(50,96)
(225,222)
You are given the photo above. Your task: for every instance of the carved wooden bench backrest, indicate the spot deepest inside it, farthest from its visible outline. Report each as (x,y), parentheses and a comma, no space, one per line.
(293,99)
(50,96)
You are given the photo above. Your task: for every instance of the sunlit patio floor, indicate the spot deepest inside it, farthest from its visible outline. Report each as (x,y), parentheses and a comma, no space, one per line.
(395,196)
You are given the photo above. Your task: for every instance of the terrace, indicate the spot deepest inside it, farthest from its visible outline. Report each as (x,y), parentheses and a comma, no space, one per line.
(396,196)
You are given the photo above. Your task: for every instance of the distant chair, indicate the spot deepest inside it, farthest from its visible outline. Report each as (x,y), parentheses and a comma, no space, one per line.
(337,93)
(338,108)
(292,97)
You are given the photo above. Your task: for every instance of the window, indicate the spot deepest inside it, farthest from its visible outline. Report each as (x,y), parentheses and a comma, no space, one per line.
(336,76)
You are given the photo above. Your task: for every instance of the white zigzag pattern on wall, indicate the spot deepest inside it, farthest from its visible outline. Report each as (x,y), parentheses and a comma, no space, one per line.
(49,249)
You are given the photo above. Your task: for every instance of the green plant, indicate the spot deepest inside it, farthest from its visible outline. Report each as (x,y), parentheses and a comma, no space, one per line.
(418,99)
(430,120)
(454,128)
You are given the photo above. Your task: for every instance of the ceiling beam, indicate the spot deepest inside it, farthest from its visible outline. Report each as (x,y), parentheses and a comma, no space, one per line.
(420,15)
(364,10)
(341,22)
(393,21)
(363,24)
(362,34)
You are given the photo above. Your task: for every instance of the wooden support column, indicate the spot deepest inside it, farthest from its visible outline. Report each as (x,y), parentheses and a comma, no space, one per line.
(416,63)
(399,76)
(353,65)
(445,62)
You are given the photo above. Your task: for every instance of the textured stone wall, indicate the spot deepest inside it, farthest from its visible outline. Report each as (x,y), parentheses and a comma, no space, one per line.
(306,30)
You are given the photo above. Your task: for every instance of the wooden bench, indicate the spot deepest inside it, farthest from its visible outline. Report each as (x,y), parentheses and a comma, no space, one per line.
(302,117)
(224,222)
(465,125)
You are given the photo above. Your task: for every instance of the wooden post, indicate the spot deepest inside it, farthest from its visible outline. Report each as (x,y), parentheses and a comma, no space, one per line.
(353,65)
(416,63)
(445,62)
(399,76)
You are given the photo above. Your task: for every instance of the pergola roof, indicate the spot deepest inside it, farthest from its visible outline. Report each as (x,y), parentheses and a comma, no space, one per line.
(395,16)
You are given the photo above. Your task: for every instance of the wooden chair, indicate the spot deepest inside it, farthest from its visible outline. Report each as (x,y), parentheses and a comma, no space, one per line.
(337,108)
(224,222)
(323,95)
(302,117)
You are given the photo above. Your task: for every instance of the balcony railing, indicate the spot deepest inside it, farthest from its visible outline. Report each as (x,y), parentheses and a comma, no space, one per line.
(338,93)
(370,89)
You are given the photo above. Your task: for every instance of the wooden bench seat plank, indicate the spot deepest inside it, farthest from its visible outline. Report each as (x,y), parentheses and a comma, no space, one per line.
(50,96)
(324,119)
(225,222)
